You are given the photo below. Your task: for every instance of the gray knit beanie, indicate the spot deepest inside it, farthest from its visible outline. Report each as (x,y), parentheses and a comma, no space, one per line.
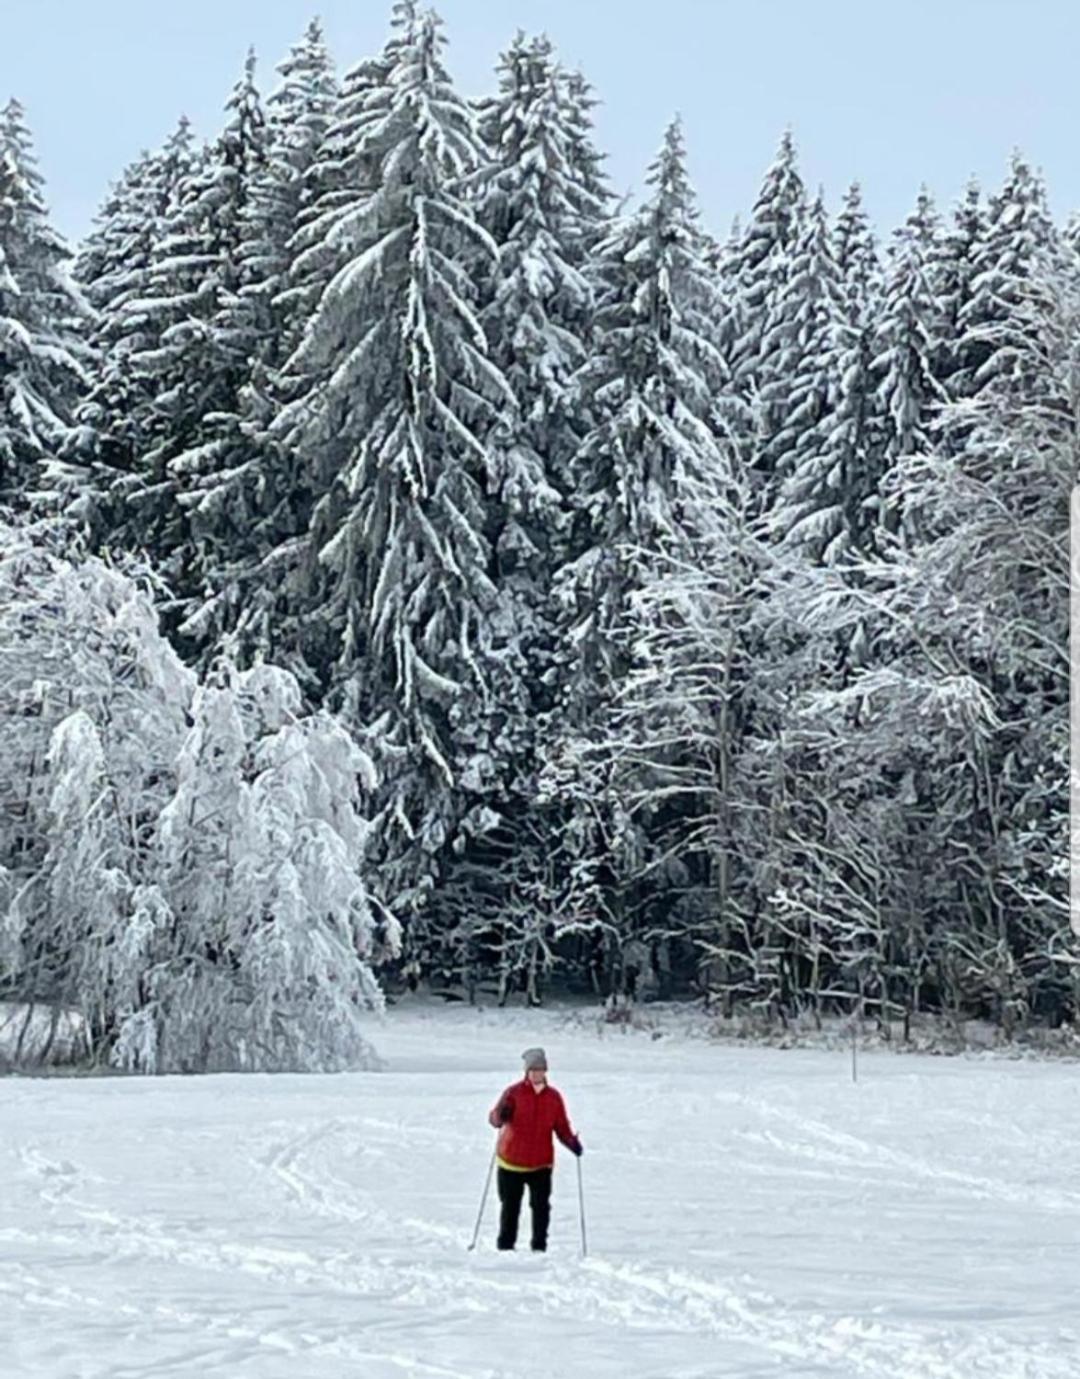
(535,1058)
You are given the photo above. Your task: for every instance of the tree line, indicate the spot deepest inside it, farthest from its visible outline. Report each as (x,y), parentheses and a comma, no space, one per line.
(698,605)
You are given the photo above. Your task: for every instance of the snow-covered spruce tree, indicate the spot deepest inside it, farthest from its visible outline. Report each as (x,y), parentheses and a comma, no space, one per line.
(648,390)
(269,604)
(299,115)
(910,342)
(585,161)
(782,954)
(540,198)
(285,195)
(996,322)
(829,507)
(958,263)
(198,351)
(1018,283)
(342,176)
(114,270)
(43,361)
(254,494)
(806,491)
(857,259)
(539,317)
(771,232)
(405,421)
(754,271)
(774,955)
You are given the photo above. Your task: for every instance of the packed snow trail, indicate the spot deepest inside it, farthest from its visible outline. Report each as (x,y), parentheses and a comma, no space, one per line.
(750,1212)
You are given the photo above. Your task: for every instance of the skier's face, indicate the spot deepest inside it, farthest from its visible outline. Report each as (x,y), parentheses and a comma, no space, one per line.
(537,1076)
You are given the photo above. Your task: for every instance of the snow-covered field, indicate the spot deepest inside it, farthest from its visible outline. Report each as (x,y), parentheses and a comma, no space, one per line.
(750,1212)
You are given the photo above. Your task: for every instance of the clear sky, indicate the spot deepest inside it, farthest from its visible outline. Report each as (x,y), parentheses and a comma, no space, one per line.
(891,92)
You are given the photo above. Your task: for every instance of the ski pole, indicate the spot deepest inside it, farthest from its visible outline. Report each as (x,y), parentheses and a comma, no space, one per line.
(483,1201)
(581,1206)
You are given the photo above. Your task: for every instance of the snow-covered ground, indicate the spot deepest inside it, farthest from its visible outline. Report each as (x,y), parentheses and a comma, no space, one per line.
(750,1212)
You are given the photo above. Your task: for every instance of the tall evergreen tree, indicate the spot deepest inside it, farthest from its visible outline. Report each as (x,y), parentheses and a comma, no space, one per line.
(114,268)
(649,389)
(857,259)
(253,497)
(650,383)
(42,359)
(268,603)
(585,158)
(755,270)
(827,508)
(285,189)
(800,343)
(991,279)
(960,253)
(540,197)
(405,418)
(200,342)
(337,186)
(910,342)
(856,433)
(540,315)
(1002,316)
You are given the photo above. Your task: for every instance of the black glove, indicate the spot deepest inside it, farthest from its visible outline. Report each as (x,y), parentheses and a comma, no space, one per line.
(577,1147)
(506,1111)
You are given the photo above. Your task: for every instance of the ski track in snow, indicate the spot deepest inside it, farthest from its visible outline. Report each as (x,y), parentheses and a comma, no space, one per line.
(635,1296)
(850,1151)
(596,1291)
(368,1283)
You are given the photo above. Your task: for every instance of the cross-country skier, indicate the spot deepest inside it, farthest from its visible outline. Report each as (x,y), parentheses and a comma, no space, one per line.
(526,1116)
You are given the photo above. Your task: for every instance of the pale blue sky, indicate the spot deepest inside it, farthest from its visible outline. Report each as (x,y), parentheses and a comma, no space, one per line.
(890,93)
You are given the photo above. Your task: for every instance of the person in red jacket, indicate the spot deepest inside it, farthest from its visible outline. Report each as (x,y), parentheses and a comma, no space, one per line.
(526,1116)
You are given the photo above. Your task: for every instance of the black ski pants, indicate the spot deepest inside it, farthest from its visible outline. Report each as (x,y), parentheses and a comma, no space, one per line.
(512,1185)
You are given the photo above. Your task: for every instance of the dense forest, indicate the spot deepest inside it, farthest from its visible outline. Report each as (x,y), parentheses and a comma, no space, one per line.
(418,568)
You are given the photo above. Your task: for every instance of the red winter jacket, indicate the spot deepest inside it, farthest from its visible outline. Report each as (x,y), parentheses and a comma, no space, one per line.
(525,1139)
